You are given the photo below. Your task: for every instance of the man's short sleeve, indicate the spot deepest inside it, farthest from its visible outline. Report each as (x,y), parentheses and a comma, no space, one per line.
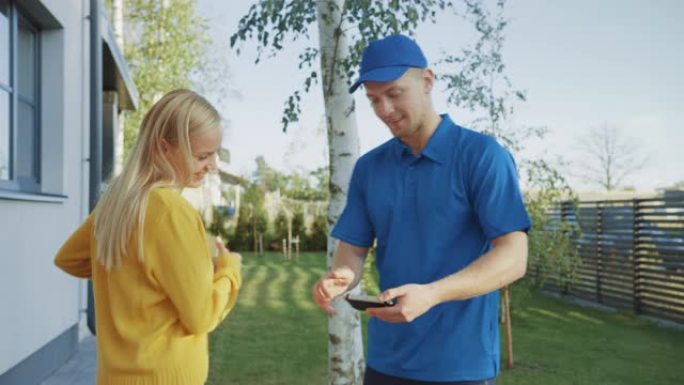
(495,192)
(354,225)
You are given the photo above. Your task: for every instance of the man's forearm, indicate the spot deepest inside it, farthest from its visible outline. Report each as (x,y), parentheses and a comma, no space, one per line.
(505,263)
(351,257)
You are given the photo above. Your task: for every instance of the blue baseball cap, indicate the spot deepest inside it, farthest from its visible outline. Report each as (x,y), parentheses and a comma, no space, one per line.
(385,60)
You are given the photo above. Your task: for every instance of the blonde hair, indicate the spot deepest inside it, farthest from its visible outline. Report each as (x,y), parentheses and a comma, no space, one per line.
(172,121)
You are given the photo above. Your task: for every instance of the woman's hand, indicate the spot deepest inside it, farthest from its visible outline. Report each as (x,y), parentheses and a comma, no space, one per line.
(221,248)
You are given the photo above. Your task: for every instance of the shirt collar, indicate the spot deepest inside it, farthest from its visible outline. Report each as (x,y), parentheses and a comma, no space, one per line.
(437,147)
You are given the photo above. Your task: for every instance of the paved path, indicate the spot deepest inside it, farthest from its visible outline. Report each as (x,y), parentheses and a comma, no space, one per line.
(80,369)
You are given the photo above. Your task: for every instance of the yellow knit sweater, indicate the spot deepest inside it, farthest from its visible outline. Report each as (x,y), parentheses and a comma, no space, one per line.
(152,318)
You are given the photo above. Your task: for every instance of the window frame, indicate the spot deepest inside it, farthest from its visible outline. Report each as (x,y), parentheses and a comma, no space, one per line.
(19,17)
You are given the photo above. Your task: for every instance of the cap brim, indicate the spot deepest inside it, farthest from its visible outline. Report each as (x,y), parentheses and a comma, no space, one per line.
(382,75)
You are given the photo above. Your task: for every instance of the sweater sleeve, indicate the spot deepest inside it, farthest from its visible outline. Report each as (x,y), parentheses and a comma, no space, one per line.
(177,252)
(228,267)
(74,255)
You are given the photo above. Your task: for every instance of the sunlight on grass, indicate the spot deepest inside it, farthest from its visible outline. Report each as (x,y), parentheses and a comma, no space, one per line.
(276,287)
(277,336)
(254,276)
(301,290)
(584,317)
(545,312)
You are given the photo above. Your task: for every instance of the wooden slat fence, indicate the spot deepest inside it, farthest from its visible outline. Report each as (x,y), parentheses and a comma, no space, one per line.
(632,254)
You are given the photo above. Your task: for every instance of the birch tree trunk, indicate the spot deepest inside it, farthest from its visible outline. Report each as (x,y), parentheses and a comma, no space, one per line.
(345,345)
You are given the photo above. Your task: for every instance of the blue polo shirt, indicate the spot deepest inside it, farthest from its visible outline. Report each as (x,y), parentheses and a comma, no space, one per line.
(432,215)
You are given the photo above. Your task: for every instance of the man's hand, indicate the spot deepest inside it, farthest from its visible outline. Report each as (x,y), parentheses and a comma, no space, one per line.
(330,286)
(411,302)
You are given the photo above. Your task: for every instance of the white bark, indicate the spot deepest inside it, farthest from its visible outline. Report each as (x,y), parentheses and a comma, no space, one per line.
(117,22)
(117,26)
(345,345)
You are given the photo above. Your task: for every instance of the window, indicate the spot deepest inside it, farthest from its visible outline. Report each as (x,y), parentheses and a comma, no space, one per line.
(5,90)
(19,100)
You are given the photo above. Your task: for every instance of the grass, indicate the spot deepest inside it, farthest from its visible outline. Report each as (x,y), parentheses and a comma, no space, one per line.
(276,335)
(559,343)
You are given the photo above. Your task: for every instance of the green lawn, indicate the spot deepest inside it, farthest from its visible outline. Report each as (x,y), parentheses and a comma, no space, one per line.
(276,335)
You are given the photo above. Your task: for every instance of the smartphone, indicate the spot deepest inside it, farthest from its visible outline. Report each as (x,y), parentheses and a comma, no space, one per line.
(363,302)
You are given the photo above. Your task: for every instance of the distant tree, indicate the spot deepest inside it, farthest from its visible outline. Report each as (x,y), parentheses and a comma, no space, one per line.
(241,238)
(317,239)
(252,218)
(219,224)
(608,157)
(298,186)
(280,225)
(266,177)
(552,254)
(298,226)
(307,185)
(165,44)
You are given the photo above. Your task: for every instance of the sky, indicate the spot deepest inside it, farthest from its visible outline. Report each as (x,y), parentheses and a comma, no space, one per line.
(583,64)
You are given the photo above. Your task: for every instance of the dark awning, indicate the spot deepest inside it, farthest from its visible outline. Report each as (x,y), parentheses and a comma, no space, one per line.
(229,178)
(116,76)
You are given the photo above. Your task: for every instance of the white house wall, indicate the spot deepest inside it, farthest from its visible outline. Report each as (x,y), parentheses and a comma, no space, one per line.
(38,302)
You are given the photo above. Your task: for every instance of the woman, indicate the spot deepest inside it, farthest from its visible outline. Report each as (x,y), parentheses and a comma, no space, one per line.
(158,291)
